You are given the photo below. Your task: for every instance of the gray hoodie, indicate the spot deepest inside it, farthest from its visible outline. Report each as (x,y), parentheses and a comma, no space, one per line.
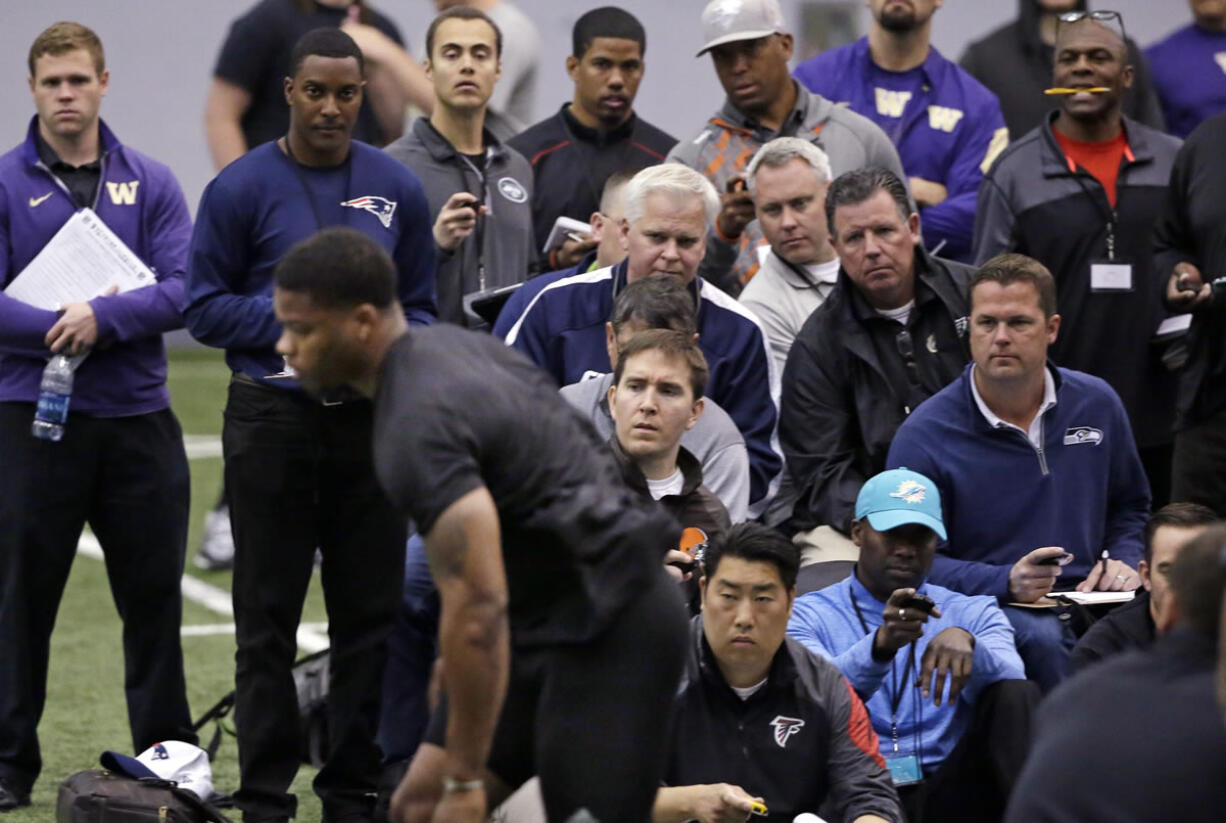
(714,440)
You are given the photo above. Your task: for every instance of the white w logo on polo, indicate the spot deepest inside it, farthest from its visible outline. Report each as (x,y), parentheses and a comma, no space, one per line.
(891,103)
(785,727)
(943,119)
(122,194)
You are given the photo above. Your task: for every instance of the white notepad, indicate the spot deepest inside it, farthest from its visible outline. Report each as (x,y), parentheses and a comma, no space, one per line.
(83,260)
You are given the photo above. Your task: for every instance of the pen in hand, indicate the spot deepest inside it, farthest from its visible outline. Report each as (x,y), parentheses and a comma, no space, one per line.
(1104,568)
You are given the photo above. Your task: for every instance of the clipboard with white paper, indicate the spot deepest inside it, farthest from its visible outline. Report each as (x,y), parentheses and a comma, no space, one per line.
(83,260)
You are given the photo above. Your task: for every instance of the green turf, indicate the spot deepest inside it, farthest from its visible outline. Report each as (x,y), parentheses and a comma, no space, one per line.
(86,713)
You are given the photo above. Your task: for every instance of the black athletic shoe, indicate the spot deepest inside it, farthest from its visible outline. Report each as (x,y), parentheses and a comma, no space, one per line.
(11,797)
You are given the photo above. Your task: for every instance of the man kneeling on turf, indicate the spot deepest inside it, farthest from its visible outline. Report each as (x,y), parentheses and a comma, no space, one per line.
(955,754)
(762,724)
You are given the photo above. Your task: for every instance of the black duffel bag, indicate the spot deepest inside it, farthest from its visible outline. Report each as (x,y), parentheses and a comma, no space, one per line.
(100,796)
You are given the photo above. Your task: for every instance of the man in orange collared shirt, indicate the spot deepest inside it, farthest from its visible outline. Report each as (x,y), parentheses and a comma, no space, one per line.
(1081,193)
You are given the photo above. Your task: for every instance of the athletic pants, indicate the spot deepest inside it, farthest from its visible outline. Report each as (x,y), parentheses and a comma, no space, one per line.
(593,720)
(299,475)
(128,478)
(973,783)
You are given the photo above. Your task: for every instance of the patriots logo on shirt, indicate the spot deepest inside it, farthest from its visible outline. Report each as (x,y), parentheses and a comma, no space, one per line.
(785,727)
(378,206)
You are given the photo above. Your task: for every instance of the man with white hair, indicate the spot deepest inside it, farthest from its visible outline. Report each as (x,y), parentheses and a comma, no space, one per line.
(668,211)
(787,180)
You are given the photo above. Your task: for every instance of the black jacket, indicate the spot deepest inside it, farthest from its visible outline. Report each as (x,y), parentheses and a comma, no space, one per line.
(571,162)
(1192,229)
(695,508)
(1125,628)
(802,739)
(847,389)
(1016,65)
(1136,739)
(1030,202)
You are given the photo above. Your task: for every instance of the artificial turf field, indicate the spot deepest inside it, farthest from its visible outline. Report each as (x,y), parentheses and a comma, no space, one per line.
(86,713)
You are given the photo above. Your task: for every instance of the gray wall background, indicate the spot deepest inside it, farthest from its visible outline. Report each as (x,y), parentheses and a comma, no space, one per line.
(160,54)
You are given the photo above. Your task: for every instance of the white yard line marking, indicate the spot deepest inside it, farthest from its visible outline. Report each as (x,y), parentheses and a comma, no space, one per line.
(312,637)
(201,446)
(213,598)
(214,629)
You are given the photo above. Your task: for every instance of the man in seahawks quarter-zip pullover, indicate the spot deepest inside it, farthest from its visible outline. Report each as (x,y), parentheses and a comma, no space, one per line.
(1032,461)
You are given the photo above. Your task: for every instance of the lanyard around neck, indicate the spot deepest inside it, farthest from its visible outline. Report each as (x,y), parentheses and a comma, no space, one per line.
(895,694)
(306,185)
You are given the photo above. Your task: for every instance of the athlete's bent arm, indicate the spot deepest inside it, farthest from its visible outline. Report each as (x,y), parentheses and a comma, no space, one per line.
(465,552)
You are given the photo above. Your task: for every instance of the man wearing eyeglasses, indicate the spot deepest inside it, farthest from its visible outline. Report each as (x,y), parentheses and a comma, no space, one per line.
(1014,62)
(890,335)
(1082,193)
(750,47)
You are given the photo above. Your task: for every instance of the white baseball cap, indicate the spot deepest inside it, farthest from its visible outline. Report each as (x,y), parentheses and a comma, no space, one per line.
(726,21)
(174,760)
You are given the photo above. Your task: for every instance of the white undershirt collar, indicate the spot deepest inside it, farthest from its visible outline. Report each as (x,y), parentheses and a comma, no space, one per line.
(1035,434)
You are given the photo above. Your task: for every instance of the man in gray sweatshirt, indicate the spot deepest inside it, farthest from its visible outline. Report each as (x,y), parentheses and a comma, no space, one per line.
(662,303)
(479,190)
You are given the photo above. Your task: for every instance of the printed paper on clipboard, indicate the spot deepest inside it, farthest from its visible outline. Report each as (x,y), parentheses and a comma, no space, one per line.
(82,260)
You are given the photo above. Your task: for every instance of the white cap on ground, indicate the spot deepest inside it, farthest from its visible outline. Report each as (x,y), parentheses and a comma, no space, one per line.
(183,763)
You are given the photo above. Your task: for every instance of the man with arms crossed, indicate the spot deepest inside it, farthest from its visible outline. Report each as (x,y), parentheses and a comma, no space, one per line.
(535,543)
(668,209)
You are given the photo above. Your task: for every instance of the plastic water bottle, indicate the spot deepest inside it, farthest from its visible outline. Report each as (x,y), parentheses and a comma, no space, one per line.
(54,394)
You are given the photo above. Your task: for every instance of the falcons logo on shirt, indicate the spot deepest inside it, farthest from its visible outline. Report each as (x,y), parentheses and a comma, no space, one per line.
(785,727)
(378,206)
